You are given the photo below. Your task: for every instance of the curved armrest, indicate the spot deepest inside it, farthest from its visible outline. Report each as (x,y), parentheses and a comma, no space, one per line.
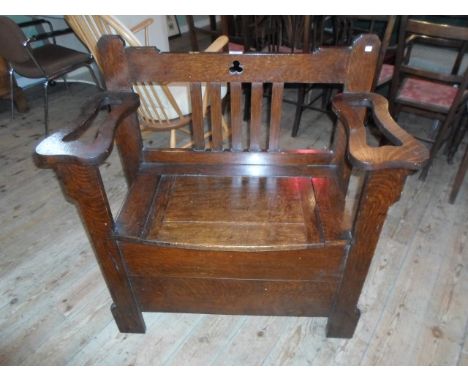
(65,145)
(218,44)
(407,153)
(142,25)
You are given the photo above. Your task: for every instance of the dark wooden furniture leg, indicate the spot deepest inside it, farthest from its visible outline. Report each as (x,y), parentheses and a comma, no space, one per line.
(83,185)
(192,33)
(459,177)
(380,190)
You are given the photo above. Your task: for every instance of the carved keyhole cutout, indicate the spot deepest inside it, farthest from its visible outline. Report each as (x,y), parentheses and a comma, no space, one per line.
(236,68)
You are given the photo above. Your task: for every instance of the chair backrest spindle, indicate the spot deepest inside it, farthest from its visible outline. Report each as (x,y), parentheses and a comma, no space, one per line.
(256,116)
(275,119)
(214,94)
(236,116)
(197,115)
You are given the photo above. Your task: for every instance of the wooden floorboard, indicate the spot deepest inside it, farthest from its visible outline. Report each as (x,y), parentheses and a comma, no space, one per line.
(54,306)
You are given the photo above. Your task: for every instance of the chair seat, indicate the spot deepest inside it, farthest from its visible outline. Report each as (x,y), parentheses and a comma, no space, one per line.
(54,59)
(386,74)
(232,213)
(418,92)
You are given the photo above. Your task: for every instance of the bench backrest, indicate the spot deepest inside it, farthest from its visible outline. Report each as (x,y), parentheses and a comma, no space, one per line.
(353,67)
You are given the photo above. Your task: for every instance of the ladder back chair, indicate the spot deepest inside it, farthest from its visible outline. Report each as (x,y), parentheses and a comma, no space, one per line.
(241,227)
(383,26)
(164,107)
(426,90)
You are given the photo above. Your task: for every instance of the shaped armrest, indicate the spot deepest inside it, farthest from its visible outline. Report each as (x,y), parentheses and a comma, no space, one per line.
(65,145)
(407,153)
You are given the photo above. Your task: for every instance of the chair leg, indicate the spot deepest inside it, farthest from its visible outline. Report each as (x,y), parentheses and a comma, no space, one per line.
(247,101)
(395,110)
(46,108)
(95,78)
(453,137)
(83,185)
(380,190)
(12,94)
(65,82)
(299,109)
(173,139)
(455,143)
(459,177)
(439,140)
(326,97)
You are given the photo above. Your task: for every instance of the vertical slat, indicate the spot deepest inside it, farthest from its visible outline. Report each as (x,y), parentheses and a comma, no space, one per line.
(236,119)
(306,37)
(256,116)
(197,116)
(275,119)
(215,108)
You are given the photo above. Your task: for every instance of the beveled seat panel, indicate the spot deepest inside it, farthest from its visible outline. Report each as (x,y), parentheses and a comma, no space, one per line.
(232,213)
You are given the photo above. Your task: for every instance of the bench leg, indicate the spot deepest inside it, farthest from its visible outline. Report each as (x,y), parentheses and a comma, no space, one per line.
(83,185)
(380,190)
(343,324)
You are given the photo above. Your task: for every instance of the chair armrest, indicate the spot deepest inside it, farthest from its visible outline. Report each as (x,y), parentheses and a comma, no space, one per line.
(65,145)
(142,25)
(218,44)
(407,153)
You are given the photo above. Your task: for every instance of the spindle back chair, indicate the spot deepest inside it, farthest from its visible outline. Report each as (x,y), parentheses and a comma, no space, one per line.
(163,106)
(426,90)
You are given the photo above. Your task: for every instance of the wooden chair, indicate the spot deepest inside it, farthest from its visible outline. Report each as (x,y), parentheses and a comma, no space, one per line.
(342,30)
(302,34)
(426,91)
(383,26)
(237,228)
(273,34)
(163,106)
(309,34)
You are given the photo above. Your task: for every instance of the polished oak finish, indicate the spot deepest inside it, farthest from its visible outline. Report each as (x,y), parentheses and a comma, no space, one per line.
(235,225)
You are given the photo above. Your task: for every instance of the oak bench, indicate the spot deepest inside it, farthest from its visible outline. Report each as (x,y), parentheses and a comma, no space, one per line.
(235,225)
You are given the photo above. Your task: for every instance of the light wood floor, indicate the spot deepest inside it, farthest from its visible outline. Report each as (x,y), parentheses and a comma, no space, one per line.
(54,306)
